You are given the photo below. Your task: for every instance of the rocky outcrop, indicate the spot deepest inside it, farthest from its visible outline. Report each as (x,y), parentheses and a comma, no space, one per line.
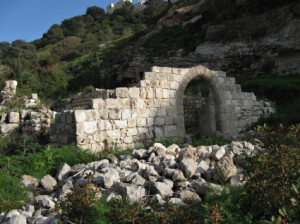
(274,52)
(179,175)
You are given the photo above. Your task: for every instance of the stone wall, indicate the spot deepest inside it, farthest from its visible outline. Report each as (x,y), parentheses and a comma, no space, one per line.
(31,123)
(192,109)
(154,110)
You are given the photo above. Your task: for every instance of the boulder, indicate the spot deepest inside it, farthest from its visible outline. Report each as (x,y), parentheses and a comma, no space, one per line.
(129,192)
(63,172)
(225,168)
(110,177)
(29,181)
(48,183)
(189,167)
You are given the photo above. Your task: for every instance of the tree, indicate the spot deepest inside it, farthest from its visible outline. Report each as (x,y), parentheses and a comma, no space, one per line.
(96,12)
(54,34)
(74,26)
(154,8)
(4,48)
(67,48)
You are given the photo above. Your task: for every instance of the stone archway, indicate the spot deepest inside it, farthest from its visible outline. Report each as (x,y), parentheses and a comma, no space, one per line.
(212,120)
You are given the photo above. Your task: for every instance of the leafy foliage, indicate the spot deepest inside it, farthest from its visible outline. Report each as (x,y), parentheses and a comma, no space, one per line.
(275,172)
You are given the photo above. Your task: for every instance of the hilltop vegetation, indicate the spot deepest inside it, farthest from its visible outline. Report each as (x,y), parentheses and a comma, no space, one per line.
(89,49)
(85,43)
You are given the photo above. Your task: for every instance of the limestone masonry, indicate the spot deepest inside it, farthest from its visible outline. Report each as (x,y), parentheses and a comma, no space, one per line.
(131,117)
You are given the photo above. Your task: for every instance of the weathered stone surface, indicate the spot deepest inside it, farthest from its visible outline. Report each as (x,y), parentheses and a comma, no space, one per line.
(110,177)
(29,181)
(189,167)
(63,171)
(163,188)
(189,196)
(218,153)
(48,183)
(129,192)
(225,168)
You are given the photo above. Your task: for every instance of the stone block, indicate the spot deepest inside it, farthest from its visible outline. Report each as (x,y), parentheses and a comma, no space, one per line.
(169,120)
(150,94)
(132,132)
(165,94)
(158,132)
(134,114)
(158,93)
(161,113)
(112,103)
(103,114)
(142,130)
(132,123)
(114,134)
(134,93)
(139,103)
(128,140)
(119,124)
(141,122)
(164,84)
(114,114)
(79,116)
(104,125)
(13,117)
(124,103)
(165,103)
(122,92)
(170,131)
(150,121)
(159,121)
(98,103)
(126,114)
(90,127)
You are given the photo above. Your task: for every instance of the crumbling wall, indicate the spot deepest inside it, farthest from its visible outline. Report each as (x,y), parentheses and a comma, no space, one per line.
(154,110)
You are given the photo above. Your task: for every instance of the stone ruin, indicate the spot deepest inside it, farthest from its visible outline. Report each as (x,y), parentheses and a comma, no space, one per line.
(131,117)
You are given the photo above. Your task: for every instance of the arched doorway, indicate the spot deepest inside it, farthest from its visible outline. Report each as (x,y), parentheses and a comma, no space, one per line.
(201,84)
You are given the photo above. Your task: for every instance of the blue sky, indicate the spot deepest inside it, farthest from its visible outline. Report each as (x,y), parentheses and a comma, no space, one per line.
(29,19)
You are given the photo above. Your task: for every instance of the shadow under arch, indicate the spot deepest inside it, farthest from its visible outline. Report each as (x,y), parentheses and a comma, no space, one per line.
(212,122)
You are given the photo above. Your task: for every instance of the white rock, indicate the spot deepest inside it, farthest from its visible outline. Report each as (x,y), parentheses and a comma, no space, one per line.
(29,181)
(110,177)
(202,167)
(48,183)
(63,172)
(218,154)
(176,201)
(189,167)
(129,192)
(17,219)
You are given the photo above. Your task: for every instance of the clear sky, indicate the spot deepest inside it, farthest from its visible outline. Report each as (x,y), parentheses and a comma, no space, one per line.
(29,19)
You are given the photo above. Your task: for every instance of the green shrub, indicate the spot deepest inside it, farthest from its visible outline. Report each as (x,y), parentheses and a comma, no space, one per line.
(78,207)
(12,193)
(46,161)
(274,172)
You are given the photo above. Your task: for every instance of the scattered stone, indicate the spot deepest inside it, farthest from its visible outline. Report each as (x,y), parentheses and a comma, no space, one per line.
(225,168)
(129,192)
(188,196)
(218,153)
(110,177)
(188,166)
(29,181)
(178,176)
(63,171)
(48,183)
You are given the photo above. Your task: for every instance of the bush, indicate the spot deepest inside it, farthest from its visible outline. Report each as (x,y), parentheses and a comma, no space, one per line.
(46,161)
(12,193)
(274,172)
